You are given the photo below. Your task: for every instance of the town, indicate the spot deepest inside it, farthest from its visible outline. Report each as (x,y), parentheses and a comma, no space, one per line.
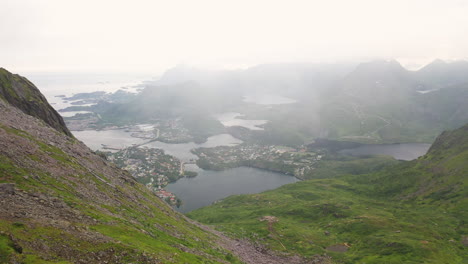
(151,167)
(287,160)
(172,131)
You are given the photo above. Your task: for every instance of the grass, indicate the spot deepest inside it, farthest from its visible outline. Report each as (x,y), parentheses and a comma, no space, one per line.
(143,225)
(378,231)
(411,212)
(334,165)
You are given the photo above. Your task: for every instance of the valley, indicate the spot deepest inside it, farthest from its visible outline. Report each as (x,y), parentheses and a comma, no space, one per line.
(244,135)
(286,178)
(233,132)
(410,212)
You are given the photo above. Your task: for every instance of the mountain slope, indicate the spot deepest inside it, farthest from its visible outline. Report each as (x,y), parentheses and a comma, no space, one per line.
(414,212)
(24,95)
(440,177)
(62,203)
(442,74)
(383,102)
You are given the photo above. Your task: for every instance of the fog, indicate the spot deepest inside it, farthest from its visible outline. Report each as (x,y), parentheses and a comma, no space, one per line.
(152,36)
(243,95)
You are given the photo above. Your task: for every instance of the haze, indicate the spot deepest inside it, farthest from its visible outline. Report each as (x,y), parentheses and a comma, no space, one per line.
(152,36)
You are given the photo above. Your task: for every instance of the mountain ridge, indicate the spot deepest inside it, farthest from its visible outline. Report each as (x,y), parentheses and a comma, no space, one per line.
(21,93)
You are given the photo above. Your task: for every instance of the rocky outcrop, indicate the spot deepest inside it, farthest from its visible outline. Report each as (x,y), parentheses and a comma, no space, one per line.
(22,94)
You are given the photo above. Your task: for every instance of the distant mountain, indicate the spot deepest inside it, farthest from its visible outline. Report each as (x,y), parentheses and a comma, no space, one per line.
(373,102)
(383,102)
(277,78)
(413,212)
(378,82)
(441,74)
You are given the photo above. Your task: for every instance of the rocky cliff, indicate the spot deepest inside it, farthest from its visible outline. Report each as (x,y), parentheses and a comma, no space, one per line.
(22,94)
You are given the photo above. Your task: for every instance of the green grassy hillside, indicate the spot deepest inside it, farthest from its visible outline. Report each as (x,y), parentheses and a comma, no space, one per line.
(413,212)
(62,203)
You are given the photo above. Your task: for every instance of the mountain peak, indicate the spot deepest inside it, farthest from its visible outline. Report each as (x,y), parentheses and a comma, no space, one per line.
(24,95)
(381,65)
(438,62)
(444,73)
(380,71)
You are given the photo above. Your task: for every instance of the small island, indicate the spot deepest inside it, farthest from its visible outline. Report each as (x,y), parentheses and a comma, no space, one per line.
(292,161)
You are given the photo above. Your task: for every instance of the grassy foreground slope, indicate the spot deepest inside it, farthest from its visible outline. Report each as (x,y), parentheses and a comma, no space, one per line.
(414,212)
(62,203)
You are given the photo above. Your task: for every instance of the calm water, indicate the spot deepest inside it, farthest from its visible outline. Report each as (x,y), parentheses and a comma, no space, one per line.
(52,84)
(72,113)
(232,119)
(113,138)
(210,186)
(202,190)
(182,151)
(406,151)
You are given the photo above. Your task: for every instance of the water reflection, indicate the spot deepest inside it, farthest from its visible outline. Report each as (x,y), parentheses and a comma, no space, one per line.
(405,151)
(210,186)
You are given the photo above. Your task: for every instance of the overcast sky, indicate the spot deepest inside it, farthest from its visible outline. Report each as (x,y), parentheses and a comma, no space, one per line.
(151,36)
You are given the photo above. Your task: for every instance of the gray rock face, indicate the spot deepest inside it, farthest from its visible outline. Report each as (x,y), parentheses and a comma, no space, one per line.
(22,94)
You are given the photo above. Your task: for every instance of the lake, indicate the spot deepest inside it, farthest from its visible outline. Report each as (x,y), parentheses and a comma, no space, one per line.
(404,151)
(210,186)
(196,192)
(182,151)
(117,138)
(232,119)
(207,186)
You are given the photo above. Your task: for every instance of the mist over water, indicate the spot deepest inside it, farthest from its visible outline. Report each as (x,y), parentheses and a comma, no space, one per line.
(236,119)
(272,108)
(54,84)
(187,104)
